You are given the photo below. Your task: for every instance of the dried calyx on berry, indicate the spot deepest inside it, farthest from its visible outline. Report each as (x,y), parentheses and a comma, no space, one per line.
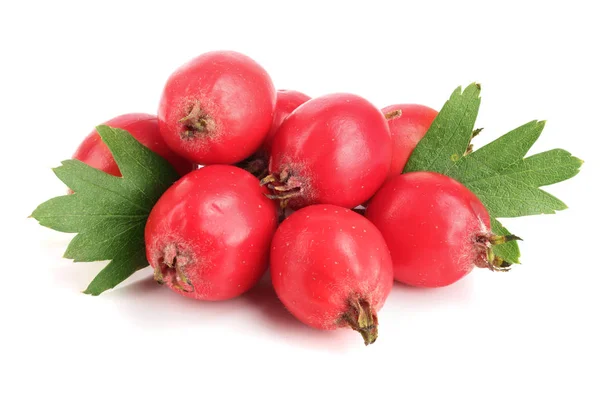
(171,268)
(487,258)
(283,187)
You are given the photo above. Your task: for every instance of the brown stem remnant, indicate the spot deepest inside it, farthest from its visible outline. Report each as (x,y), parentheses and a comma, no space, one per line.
(362,318)
(393,114)
(487,258)
(470,146)
(197,122)
(284,187)
(171,266)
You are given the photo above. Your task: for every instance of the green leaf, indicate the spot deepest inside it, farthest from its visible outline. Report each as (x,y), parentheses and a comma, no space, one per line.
(506,183)
(119,269)
(449,134)
(109,213)
(508,251)
(501,153)
(510,198)
(545,168)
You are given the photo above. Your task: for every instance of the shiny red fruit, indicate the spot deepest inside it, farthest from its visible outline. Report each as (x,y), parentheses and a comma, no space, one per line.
(334,149)
(437,230)
(287,101)
(331,269)
(208,236)
(408,124)
(217,108)
(144,128)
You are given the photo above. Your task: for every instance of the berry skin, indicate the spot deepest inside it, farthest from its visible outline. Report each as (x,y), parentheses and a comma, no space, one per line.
(408,124)
(334,149)
(208,236)
(144,128)
(217,108)
(331,269)
(287,101)
(437,230)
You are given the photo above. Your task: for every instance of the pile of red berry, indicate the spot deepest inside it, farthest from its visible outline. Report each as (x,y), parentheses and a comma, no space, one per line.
(312,188)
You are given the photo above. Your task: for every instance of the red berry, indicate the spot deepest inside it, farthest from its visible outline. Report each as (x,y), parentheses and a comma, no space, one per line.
(208,236)
(437,230)
(287,101)
(334,149)
(331,268)
(217,108)
(408,124)
(144,128)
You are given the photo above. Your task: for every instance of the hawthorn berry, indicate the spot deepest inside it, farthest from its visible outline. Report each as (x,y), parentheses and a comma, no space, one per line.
(217,108)
(408,124)
(287,101)
(334,149)
(143,127)
(332,269)
(208,235)
(437,230)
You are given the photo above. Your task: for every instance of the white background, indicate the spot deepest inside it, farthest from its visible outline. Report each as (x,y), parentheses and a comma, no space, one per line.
(530,333)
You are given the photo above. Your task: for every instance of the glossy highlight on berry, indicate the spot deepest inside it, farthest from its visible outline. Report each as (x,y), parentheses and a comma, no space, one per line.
(437,229)
(208,236)
(334,149)
(332,269)
(217,108)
